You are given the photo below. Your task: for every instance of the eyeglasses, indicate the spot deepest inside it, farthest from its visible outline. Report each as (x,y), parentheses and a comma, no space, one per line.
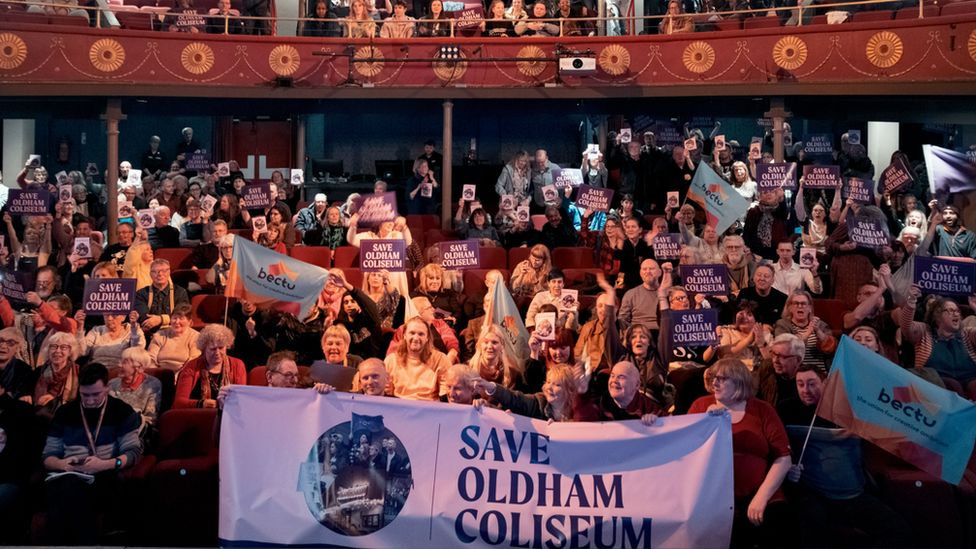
(159,272)
(60,347)
(681,297)
(782,356)
(719,379)
(8,342)
(289,375)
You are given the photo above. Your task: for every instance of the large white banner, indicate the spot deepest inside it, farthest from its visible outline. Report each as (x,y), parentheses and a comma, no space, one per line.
(299,468)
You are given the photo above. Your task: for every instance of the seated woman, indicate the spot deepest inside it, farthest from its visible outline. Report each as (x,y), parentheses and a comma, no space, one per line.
(436,23)
(431,285)
(529,277)
(799,320)
(360,317)
(335,347)
(359,24)
(555,402)
(761,454)
(229,209)
(496,361)
(277,217)
(138,389)
(496,24)
(105,344)
(334,232)
(324,23)
(536,24)
(476,226)
(217,275)
(201,378)
(174,346)
(389,302)
(273,239)
(675,21)
(591,343)
(57,377)
(546,354)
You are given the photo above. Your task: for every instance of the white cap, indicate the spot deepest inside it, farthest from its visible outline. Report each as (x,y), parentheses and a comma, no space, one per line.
(320,197)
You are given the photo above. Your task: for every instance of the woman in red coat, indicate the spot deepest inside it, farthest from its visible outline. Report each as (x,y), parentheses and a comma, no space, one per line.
(201,378)
(761,454)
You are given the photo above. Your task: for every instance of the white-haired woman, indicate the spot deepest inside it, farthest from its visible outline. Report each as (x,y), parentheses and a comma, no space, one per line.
(137,388)
(57,382)
(201,379)
(217,275)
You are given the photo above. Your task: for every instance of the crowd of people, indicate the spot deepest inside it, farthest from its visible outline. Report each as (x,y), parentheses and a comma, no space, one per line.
(86,381)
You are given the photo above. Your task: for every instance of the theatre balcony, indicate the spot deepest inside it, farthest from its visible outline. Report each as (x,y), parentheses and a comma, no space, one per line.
(124,50)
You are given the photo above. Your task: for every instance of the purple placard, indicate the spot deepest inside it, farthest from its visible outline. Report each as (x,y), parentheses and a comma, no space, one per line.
(776,175)
(567,177)
(694,328)
(28,202)
(667,246)
(382,255)
(945,276)
(374,209)
(109,296)
(705,279)
(867,233)
(595,199)
(198,161)
(470,18)
(460,254)
(257,196)
(14,285)
(895,177)
(861,190)
(821,177)
(819,145)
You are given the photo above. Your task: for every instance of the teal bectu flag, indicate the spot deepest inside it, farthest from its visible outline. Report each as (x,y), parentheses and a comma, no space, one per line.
(723,205)
(264,276)
(883,403)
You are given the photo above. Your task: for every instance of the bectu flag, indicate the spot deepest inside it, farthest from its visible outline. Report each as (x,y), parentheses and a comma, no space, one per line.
(261,276)
(723,205)
(883,403)
(949,171)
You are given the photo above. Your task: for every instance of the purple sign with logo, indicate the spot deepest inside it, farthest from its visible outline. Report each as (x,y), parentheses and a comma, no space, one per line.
(595,199)
(821,177)
(705,279)
(567,177)
(470,18)
(460,254)
(198,161)
(896,177)
(257,196)
(945,276)
(667,246)
(694,328)
(860,190)
(109,296)
(374,209)
(382,255)
(28,202)
(776,175)
(819,145)
(867,233)
(14,285)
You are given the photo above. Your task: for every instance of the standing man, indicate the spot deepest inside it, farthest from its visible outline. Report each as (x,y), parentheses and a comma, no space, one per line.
(153,162)
(541,176)
(435,161)
(95,436)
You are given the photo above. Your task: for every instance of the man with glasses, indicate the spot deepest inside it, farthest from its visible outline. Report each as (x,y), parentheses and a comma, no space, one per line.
(94,436)
(125,233)
(155,302)
(776,376)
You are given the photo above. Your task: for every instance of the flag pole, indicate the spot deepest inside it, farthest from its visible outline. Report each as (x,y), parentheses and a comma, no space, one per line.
(809,430)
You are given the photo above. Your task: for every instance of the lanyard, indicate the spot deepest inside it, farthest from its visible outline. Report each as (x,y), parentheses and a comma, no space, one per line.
(98,428)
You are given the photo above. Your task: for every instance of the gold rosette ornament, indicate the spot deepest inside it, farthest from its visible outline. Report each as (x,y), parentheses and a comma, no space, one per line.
(531,68)
(698,57)
(106,55)
(368,69)
(284,60)
(884,49)
(971,44)
(451,70)
(614,59)
(13,51)
(197,58)
(790,53)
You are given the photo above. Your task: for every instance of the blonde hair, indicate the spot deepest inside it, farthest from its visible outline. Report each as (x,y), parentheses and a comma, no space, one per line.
(425,353)
(430,268)
(135,267)
(736,373)
(563,375)
(513,370)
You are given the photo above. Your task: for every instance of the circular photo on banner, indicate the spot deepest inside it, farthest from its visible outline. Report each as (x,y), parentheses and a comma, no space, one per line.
(357,477)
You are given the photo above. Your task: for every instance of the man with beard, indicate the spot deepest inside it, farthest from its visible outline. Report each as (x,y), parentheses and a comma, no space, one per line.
(740,265)
(417,370)
(946,233)
(639,305)
(767,223)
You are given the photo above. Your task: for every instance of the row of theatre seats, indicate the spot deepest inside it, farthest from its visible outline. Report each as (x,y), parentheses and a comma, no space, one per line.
(172,493)
(141,15)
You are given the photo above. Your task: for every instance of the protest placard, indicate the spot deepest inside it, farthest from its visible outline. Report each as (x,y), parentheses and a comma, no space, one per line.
(821,177)
(939,276)
(198,161)
(65,193)
(808,256)
(260,224)
(28,202)
(667,247)
(705,279)
(82,247)
(459,254)
(61,177)
(522,214)
(895,177)
(569,300)
(297,177)
(109,296)
(853,137)
(567,177)
(777,175)
(127,211)
(867,233)
(382,255)
(691,144)
(694,328)
(674,197)
(819,145)
(470,17)
(595,199)
(860,190)
(545,326)
(549,194)
(257,196)
(625,135)
(506,202)
(468,192)
(223,169)
(146,218)
(373,209)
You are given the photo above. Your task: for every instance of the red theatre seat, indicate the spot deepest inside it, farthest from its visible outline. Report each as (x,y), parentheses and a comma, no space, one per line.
(346,256)
(912,13)
(572,258)
(474,281)
(183,277)
(167,378)
(179,258)
(493,258)
(316,255)
(184,481)
(353,276)
(832,312)
(516,256)
(959,8)
(209,309)
(760,23)
(433,236)
(427,221)
(728,25)
(538,221)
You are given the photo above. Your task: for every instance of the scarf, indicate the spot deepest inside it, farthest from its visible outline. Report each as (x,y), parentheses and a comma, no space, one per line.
(765,229)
